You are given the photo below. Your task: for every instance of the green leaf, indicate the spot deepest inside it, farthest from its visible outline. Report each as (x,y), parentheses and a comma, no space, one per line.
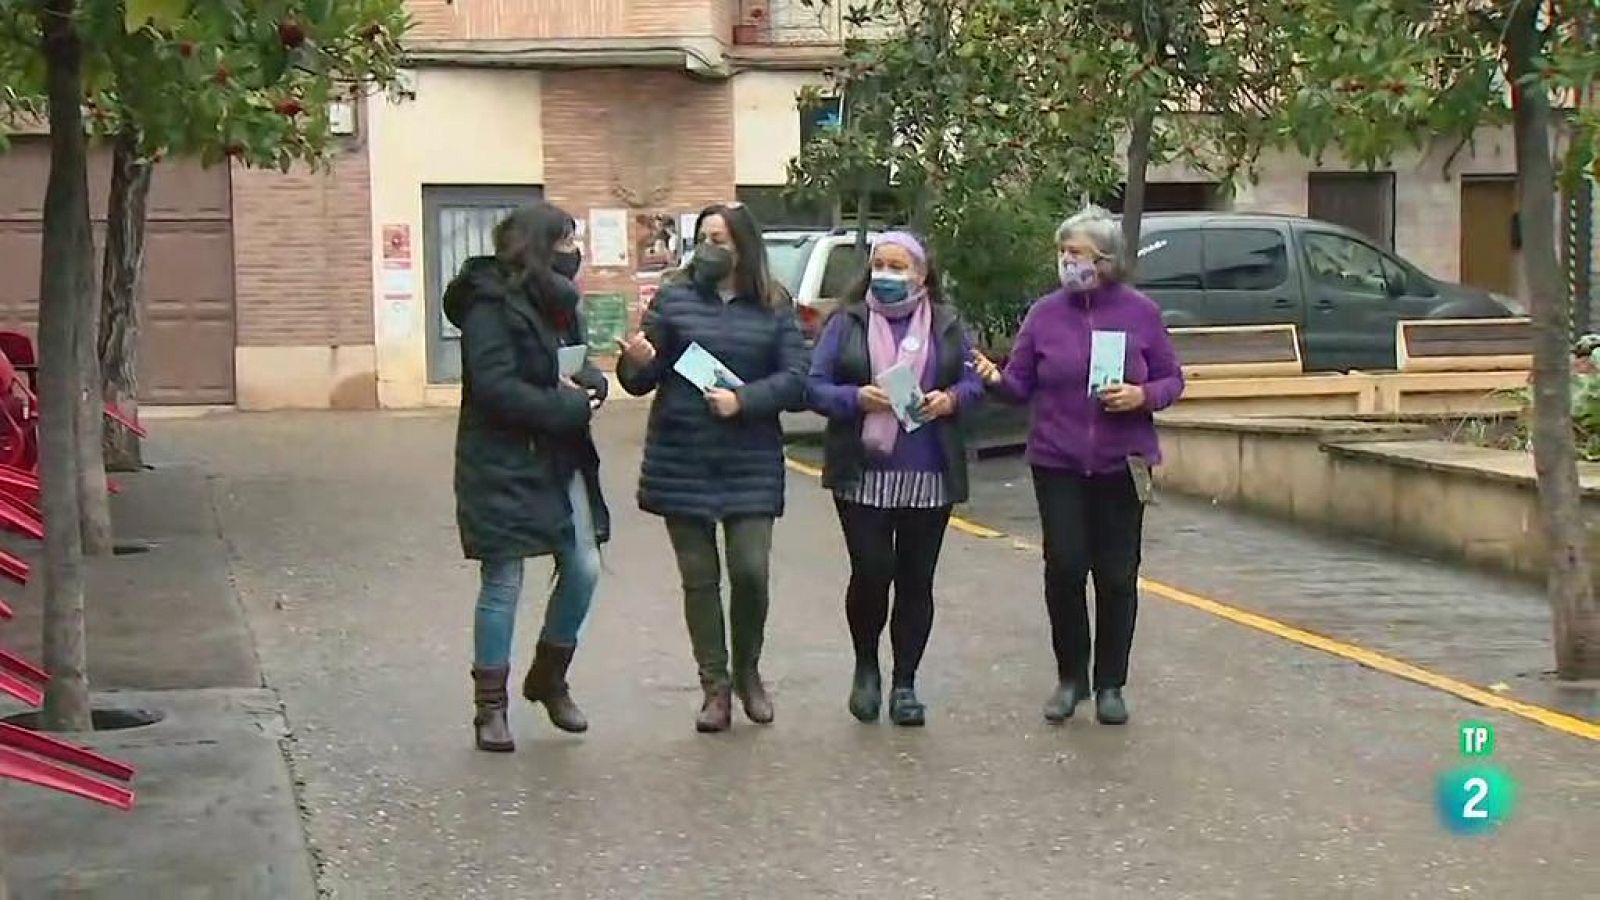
(163,14)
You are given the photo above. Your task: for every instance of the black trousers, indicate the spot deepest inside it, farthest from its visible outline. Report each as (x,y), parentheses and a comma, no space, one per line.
(896,548)
(1093,527)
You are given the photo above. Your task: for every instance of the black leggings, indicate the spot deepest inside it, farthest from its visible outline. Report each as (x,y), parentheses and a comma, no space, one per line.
(899,548)
(1093,526)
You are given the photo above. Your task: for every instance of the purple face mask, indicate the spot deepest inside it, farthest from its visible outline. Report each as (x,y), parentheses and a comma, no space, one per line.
(1078,275)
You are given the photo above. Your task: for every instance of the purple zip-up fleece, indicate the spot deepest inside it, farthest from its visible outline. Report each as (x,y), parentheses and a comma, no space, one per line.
(1049,370)
(919,451)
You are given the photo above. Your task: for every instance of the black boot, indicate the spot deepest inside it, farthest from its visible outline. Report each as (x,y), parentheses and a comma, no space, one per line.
(1065,700)
(547,683)
(492,732)
(866,692)
(1109,707)
(905,709)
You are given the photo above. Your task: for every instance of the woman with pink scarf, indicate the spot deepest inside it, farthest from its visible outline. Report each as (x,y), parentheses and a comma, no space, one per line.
(894,480)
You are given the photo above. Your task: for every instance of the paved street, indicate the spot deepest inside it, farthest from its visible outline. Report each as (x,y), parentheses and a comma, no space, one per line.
(1253,767)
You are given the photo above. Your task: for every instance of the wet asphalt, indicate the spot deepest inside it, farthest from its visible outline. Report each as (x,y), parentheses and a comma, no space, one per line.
(1253,766)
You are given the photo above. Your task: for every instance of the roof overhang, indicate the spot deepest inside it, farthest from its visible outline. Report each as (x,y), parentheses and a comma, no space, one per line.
(704,57)
(800,57)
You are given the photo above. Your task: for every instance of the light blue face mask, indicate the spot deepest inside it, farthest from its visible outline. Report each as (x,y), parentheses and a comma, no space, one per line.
(889,288)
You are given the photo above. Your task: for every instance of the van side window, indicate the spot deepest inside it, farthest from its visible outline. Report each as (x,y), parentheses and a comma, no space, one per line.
(1169,261)
(844,266)
(1245,259)
(1342,264)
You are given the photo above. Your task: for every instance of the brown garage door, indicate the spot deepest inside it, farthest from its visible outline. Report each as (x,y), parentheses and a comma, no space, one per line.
(186,354)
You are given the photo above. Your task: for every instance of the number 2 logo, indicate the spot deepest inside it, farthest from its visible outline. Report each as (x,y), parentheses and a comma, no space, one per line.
(1477,791)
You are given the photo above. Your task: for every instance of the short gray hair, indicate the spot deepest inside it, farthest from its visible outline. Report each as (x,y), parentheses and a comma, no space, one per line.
(1101,229)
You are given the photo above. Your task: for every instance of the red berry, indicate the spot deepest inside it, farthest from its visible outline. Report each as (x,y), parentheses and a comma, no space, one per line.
(186,49)
(222,76)
(290,107)
(291,33)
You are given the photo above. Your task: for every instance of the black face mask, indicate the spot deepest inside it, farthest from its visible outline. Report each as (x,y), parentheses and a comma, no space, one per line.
(711,264)
(566,263)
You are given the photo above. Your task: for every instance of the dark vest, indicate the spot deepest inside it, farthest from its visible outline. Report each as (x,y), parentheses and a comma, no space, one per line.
(844,453)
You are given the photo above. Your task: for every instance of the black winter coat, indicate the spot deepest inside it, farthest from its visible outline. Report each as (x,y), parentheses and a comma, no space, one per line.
(521,435)
(697,466)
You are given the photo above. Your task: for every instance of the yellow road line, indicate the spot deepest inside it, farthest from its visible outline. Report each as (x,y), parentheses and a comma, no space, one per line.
(1360,655)
(1373,660)
(974,529)
(802,468)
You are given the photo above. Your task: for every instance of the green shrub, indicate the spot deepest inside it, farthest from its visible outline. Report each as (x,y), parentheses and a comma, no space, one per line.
(998,255)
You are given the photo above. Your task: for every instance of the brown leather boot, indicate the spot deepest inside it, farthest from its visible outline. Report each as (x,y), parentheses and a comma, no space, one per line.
(489,696)
(547,683)
(753,694)
(716,714)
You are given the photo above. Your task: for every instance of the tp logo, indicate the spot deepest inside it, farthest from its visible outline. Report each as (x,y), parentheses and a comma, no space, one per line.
(1476,798)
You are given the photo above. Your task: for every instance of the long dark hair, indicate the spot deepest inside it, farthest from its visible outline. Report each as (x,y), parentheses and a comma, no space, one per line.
(750,274)
(525,243)
(856,293)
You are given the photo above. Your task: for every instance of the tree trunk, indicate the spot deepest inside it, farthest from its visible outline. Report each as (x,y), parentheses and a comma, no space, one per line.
(67,279)
(1572,601)
(863,215)
(121,301)
(1144,123)
(94,501)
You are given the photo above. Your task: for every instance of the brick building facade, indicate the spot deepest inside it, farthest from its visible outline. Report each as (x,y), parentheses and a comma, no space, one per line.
(322,290)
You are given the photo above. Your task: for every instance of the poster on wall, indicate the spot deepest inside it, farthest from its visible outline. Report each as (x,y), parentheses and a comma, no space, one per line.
(608,238)
(657,241)
(605,317)
(686,228)
(399,283)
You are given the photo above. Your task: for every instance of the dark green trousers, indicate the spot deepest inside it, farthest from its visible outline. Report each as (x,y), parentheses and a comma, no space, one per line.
(749,549)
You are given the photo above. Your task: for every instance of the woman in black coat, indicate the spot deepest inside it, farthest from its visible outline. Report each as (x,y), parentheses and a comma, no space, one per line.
(717,456)
(527,473)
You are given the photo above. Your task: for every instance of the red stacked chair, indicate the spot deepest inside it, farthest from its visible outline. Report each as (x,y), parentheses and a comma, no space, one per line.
(25,755)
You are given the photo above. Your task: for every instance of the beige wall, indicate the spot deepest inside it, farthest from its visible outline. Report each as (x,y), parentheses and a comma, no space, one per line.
(1427,220)
(464,127)
(1428,184)
(766,124)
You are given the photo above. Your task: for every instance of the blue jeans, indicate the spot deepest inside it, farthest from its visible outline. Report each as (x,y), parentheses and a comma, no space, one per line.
(577,573)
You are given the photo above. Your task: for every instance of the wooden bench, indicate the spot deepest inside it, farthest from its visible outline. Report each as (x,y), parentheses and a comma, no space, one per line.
(1238,351)
(1464,345)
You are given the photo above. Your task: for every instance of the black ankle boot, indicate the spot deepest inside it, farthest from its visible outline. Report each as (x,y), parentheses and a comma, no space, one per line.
(1065,700)
(905,709)
(866,693)
(1109,707)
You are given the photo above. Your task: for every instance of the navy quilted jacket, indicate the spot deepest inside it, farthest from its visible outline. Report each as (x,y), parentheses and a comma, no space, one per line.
(698,466)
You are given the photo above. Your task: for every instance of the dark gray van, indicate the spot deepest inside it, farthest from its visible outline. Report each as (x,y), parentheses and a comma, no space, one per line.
(1341,291)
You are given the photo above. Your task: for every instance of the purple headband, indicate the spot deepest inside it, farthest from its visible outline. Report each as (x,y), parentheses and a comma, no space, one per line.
(906,241)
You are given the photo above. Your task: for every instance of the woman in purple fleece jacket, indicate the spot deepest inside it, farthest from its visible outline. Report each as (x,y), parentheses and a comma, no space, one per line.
(893,487)
(1091,446)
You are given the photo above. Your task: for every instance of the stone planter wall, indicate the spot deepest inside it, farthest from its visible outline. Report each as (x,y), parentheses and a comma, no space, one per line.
(1387,481)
